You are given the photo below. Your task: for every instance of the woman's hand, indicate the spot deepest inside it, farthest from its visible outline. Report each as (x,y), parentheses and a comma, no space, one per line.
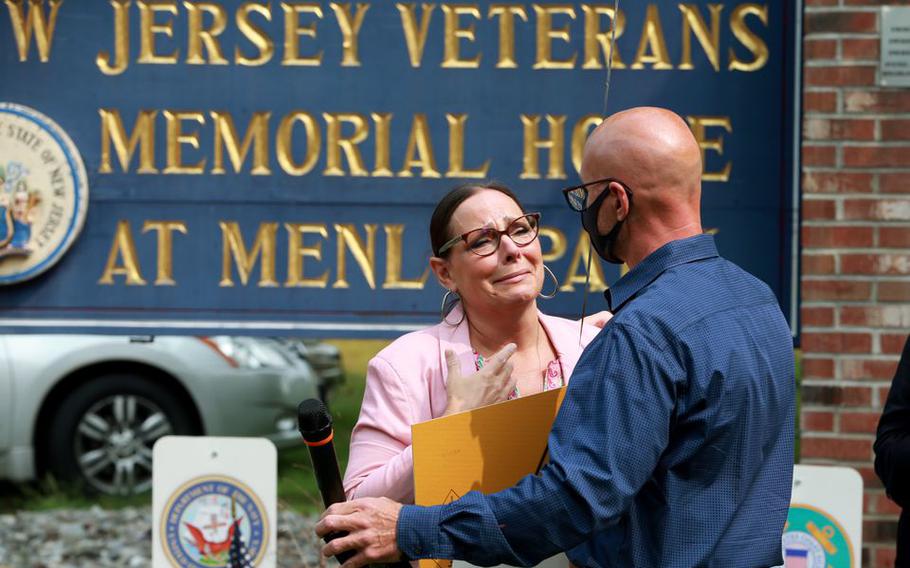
(599,320)
(489,385)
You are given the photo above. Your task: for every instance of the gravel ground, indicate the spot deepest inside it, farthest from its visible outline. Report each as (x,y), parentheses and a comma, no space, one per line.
(98,538)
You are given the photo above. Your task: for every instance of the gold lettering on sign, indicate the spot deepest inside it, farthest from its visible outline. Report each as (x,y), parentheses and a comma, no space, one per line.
(506,14)
(653,47)
(598,42)
(293,30)
(176,138)
(580,136)
(257,36)
(419,142)
(198,36)
(558,243)
(335,143)
(149,29)
(364,254)
(234,250)
(165,230)
(546,33)
(36,22)
(455,34)
(121,41)
(393,260)
(122,247)
(143,136)
(256,137)
(297,252)
(752,42)
(350,30)
(533,145)
(285,136)
(699,125)
(415,36)
(576,274)
(382,124)
(710,41)
(456,150)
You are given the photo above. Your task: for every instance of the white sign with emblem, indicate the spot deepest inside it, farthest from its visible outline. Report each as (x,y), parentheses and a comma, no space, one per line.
(895,48)
(824,527)
(214,502)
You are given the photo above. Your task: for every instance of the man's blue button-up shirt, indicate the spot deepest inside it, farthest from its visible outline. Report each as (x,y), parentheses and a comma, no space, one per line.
(673,446)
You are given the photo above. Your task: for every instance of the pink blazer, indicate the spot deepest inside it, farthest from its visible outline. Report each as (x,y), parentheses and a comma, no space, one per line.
(406,384)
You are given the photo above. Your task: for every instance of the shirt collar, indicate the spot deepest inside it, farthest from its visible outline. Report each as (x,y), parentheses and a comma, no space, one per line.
(672,254)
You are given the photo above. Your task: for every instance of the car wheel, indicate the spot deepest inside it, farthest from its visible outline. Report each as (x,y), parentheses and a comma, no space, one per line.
(103,432)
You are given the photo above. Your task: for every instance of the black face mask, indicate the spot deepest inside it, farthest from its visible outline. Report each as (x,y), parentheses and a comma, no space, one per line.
(603,244)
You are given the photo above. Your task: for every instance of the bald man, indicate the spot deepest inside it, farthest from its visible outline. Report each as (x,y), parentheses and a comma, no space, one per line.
(674,444)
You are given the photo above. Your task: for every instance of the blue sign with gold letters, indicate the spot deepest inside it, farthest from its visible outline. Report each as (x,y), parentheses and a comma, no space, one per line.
(190,167)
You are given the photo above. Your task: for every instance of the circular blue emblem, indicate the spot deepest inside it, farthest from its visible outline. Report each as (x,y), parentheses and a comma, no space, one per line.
(43,193)
(211,518)
(814,539)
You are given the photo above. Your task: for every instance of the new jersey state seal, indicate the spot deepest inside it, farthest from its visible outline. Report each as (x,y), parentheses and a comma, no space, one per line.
(43,193)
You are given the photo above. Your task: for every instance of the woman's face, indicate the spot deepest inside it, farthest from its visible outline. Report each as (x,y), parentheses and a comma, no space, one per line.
(510,275)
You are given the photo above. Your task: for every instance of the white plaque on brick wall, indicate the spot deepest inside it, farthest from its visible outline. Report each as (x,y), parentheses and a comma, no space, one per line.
(213,502)
(895,51)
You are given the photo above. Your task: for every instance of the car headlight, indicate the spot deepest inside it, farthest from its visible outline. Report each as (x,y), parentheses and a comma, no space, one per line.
(248,352)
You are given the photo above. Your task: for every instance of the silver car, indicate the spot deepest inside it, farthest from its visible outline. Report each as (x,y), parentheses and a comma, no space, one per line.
(89,407)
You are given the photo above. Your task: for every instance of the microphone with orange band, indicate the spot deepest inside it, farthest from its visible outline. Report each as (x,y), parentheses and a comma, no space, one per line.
(315,425)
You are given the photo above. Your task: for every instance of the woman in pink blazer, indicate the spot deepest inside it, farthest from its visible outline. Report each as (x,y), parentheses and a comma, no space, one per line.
(493,345)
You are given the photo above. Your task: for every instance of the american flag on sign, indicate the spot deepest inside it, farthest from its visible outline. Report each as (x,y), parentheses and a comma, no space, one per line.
(239,555)
(796,558)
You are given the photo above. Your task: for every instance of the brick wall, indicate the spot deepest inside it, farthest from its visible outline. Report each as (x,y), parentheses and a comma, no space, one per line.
(856,247)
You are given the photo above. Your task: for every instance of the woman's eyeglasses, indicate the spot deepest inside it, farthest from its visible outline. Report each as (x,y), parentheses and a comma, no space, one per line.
(485,241)
(577,195)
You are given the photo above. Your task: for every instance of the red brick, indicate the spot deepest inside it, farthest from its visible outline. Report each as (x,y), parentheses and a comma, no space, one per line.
(895,183)
(836,448)
(835,129)
(875,264)
(820,49)
(870,478)
(885,557)
(818,209)
(883,395)
(819,155)
(832,395)
(817,421)
(859,422)
(818,368)
(821,316)
(849,22)
(893,343)
(819,101)
(864,49)
(879,530)
(844,76)
(896,130)
(818,264)
(894,237)
(867,369)
(877,209)
(840,237)
(884,505)
(821,2)
(894,291)
(877,156)
(817,342)
(876,316)
(835,290)
(876,2)
(877,101)
(837,182)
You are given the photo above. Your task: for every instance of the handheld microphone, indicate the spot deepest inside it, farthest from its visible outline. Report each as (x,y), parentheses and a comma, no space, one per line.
(315,425)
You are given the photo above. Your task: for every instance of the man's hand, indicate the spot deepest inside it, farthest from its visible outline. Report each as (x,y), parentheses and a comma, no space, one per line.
(489,385)
(371,525)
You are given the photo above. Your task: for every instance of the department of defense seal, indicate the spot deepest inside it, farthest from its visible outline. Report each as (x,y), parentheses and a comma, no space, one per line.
(814,539)
(43,193)
(209,518)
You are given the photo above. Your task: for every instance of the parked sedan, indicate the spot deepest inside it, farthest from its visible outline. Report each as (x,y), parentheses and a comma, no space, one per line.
(90,407)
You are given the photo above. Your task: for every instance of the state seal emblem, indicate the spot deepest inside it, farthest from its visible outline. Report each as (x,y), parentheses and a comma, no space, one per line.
(214,521)
(43,193)
(814,539)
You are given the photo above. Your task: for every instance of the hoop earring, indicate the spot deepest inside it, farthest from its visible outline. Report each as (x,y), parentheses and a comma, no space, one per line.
(555,285)
(442,309)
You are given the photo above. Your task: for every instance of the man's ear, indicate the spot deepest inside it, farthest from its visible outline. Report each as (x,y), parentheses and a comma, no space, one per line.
(440,268)
(622,200)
